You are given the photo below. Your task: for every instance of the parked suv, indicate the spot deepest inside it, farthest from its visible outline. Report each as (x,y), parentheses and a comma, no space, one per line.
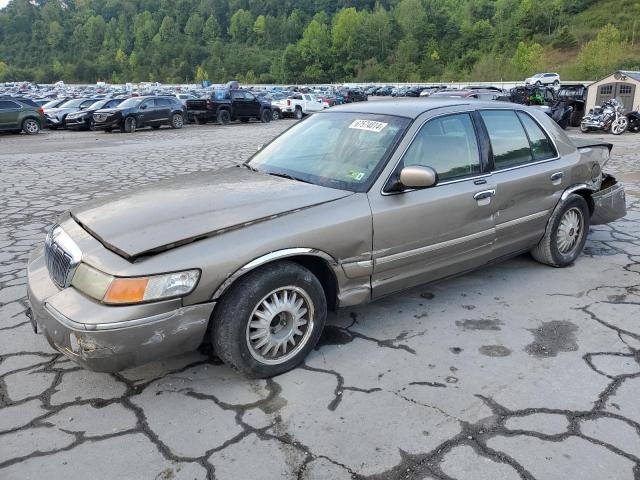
(17,115)
(139,112)
(544,79)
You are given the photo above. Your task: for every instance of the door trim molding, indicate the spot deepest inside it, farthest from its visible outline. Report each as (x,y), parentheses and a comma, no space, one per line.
(433,247)
(517,221)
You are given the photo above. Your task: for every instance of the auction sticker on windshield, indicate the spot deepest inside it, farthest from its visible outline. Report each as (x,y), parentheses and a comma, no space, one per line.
(368,125)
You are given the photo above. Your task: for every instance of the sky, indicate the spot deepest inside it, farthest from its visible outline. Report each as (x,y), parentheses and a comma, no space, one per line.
(3,3)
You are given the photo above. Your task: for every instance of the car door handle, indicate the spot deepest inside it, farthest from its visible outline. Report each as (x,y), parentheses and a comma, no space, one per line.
(484,194)
(556,178)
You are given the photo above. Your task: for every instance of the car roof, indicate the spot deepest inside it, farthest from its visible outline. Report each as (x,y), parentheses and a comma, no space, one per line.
(414,108)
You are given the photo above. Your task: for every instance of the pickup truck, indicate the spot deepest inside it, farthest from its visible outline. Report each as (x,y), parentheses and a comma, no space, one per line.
(224,106)
(299,105)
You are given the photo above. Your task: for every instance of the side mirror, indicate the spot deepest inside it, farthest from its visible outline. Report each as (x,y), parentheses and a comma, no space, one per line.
(143,107)
(417,176)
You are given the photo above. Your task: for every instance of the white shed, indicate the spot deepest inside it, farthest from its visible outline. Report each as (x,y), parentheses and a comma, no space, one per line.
(622,84)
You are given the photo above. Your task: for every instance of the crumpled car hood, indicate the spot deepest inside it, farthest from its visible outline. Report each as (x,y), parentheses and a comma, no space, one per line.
(189,207)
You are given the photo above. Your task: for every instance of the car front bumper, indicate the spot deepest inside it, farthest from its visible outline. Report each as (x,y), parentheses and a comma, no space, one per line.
(110,338)
(114,123)
(76,122)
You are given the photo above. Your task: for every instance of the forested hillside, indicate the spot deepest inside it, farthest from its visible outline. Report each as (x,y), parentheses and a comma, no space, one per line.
(300,41)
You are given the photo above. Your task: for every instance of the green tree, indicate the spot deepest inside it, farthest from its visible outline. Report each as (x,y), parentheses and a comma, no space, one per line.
(528,59)
(240,26)
(603,54)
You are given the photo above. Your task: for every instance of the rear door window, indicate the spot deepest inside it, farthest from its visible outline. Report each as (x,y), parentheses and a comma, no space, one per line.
(8,105)
(509,141)
(448,145)
(541,145)
(162,102)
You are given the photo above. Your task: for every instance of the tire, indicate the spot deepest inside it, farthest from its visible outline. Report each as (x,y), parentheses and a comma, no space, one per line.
(31,126)
(576,118)
(176,121)
(556,83)
(129,125)
(298,113)
(201,120)
(275,115)
(539,83)
(224,117)
(239,308)
(565,235)
(619,126)
(584,128)
(266,116)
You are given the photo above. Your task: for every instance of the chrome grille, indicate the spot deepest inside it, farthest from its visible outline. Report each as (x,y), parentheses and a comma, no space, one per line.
(62,256)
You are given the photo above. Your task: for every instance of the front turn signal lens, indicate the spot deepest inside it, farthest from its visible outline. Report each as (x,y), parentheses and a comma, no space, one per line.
(126,290)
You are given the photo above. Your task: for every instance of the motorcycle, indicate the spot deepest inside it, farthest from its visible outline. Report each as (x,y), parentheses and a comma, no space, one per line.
(608,117)
(634,122)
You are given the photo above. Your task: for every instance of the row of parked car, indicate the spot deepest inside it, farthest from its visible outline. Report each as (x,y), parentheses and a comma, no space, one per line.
(129,112)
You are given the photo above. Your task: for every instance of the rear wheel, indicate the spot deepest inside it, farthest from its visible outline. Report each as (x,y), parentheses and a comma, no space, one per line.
(269,320)
(129,125)
(224,117)
(176,121)
(576,117)
(298,113)
(31,126)
(266,116)
(566,233)
(275,115)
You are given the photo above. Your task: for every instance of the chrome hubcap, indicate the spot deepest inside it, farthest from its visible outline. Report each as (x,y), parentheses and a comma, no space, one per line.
(569,230)
(177,121)
(31,126)
(280,326)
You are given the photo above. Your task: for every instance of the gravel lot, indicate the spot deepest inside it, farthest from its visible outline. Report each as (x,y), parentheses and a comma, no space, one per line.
(515,371)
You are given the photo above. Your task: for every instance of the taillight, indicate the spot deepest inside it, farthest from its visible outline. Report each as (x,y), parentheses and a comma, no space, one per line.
(288,103)
(41,110)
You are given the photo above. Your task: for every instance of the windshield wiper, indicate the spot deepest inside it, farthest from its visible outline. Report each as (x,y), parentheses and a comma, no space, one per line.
(286,175)
(246,165)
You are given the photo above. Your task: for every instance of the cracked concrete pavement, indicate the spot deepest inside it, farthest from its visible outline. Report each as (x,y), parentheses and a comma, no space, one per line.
(514,371)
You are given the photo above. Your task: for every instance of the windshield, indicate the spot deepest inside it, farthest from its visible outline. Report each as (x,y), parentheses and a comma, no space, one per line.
(334,149)
(132,102)
(52,103)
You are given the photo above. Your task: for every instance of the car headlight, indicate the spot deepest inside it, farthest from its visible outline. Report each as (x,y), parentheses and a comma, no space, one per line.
(126,290)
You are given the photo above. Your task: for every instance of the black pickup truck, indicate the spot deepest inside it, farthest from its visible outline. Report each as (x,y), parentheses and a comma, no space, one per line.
(226,105)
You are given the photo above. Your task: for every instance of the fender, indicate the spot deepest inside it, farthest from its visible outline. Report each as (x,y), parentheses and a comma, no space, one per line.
(574,188)
(277,255)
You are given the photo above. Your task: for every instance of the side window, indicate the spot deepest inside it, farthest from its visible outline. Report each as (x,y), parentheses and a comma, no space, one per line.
(508,140)
(541,146)
(249,96)
(162,102)
(237,96)
(147,104)
(7,105)
(448,145)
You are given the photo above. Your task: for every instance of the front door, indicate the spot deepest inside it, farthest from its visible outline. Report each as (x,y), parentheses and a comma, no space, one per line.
(148,113)
(530,177)
(426,234)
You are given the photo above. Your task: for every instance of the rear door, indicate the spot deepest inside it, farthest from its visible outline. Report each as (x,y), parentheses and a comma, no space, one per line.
(163,110)
(529,177)
(426,234)
(9,114)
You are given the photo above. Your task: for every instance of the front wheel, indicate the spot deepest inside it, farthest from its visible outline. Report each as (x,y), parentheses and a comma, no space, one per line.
(176,121)
(129,125)
(31,126)
(269,320)
(619,126)
(266,116)
(224,117)
(566,233)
